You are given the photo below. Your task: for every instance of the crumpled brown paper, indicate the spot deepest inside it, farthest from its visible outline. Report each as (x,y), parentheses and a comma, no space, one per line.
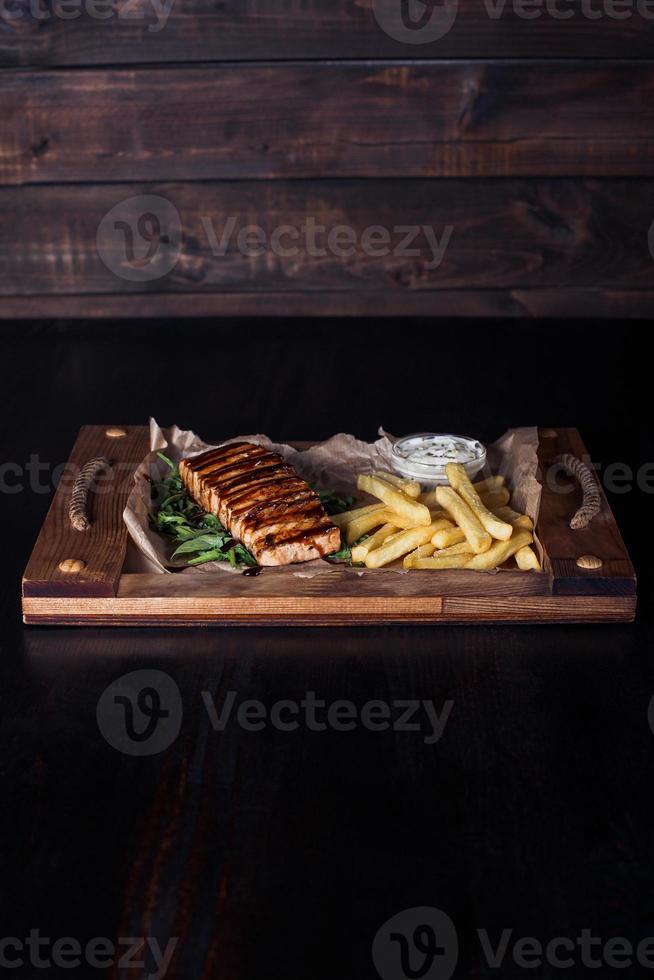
(332,465)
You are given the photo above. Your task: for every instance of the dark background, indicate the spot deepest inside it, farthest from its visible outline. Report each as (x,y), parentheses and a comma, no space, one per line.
(282,854)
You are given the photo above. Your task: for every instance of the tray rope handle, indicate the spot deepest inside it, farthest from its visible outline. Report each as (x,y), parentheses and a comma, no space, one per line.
(83,483)
(591,502)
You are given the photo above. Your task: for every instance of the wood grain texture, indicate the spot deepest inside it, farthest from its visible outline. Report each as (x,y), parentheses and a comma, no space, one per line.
(279,855)
(102,547)
(560,499)
(550,609)
(197,30)
(504,234)
(319,594)
(337,611)
(348,120)
(324,582)
(570,303)
(300,827)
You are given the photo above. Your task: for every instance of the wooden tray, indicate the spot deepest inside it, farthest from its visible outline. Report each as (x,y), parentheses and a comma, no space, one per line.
(80,577)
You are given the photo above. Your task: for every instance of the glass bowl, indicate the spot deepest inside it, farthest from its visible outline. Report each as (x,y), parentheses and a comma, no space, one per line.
(423,456)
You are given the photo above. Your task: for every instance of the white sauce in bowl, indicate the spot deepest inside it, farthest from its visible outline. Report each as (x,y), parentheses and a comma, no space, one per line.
(424,456)
(441,449)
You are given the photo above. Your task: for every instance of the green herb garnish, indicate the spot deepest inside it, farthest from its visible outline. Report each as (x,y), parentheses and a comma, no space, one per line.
(333,502)
(201,536)
(197,534)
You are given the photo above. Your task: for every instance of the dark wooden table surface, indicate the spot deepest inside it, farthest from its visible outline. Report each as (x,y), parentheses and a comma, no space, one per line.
(280,854)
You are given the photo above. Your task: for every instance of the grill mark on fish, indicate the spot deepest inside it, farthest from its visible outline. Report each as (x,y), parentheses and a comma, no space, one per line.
(232,470)
(262,501)
(274,470)
(266,491)
(272,507)
(214,455)
(314,515)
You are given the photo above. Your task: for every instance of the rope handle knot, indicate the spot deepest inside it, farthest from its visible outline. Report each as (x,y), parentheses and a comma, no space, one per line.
(83,483)
(591,502)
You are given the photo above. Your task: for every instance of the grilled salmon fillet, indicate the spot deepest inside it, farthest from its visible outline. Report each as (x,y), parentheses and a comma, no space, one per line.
(262,502)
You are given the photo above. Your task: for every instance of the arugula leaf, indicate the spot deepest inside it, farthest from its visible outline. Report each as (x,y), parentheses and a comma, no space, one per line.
(200,535)
(202,542)
(169,462)
(333,502)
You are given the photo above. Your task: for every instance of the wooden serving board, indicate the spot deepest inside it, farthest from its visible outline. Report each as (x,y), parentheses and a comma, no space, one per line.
(81,577)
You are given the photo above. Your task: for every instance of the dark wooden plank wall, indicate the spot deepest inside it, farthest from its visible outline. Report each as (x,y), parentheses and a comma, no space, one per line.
(534,148)
(323,120)
(269,30)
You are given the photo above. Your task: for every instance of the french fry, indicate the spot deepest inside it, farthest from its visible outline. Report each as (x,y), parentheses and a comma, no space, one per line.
(459,479)
(527,560)
(410,487)
(424,551)
(428,498)
(398,545)
(450,534)
(500,551)
(360,551)
(495,498)
(443,561)
(447,536)
(365,523)
(443,524)
(479,539)
(340,520)
(400,521)
(490,484)
(515,518)
(396,499)
(461,548)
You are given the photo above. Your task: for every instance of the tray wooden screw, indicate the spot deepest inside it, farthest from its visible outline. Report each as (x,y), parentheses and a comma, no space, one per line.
(71,565)
(589,561)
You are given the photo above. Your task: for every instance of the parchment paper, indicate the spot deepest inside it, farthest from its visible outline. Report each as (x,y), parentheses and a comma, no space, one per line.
(331,465)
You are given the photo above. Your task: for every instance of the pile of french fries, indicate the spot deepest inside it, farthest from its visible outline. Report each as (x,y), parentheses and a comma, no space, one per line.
(463,525)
